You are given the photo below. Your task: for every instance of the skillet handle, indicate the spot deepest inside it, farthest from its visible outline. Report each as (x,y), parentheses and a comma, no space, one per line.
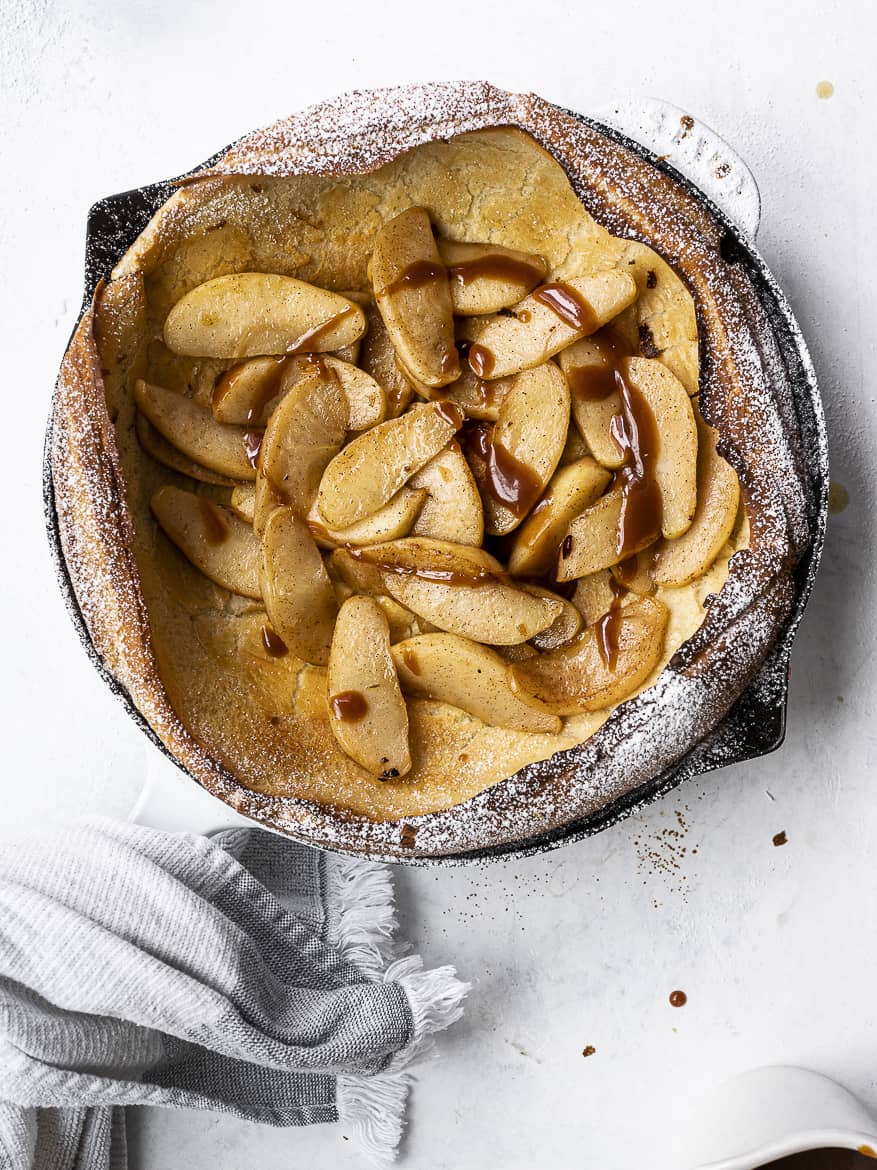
(695,150)
(172,801)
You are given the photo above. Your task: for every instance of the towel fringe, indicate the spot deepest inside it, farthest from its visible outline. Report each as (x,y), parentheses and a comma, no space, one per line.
(362,924)
(374,1109)
(361,911)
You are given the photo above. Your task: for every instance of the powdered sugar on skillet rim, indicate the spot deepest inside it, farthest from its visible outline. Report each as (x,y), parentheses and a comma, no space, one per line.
(745,392)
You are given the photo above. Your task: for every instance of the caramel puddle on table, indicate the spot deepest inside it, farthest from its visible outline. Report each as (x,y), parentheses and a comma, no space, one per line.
(838,498)
(824,90)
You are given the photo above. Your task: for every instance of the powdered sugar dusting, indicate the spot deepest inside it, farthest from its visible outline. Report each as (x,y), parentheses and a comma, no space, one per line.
(753,364)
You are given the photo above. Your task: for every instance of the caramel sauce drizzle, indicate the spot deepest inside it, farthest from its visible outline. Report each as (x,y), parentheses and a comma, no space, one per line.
(416,275)
(216,528)
(479,576)
(349,706)
(594,383)
(450,412)
(609,627)
(481,361)
(268,390)
(507,481)
(636,434)
(253,445)
(274,645)
(569,305)
(495,267)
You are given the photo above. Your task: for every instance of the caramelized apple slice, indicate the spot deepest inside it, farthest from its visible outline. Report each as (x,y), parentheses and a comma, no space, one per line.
(476,397)
(488,277)
(243,501)
(535,331)
(467,675)
(459,589)
(678,562)
(346,565)
(379,360)
(372,468)
(594,596)
(676,465)
(296,588)
(391,522)
(591,540)
(589,368)
(212,537)
(571,490)
(194,431)
(564,627)
(414,298)
(367,713)
(155,444)
(247,314)
(452,510)
(303,435)
(249,392)
(577,677)
(265,500)
(526,446)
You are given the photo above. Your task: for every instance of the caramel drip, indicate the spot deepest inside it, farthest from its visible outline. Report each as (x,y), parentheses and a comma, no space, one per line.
(416,275)
(450,412)
(274,645)
(678,999)
(609,628)
(495,267)
(481,361)
(506,480)
(253,445)
(268,390)
(569,305)
(311,337)
(479,576)
(349,706)
(216,529)
(594,383)
(636,434)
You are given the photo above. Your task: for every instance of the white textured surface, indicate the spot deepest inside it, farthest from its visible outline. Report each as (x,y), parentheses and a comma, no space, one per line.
(773,946)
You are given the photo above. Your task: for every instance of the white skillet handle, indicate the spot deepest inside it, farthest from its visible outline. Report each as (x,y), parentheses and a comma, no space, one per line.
(693,149)
(172,801)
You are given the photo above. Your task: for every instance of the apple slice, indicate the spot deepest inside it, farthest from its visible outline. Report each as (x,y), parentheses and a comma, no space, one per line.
(367,712)
(248,393)
(378,359)
(303,435)
(634,573)
(488,277)
(455,670)
(265,500)
(155,444)
(476,397)
(298,594)
(590,366)
(525,446)
(391,522)
(459,589)
(247,314)
(346,565)
(194,431)
(243,501)
(452,510)
(372,468)
(545,322)
(564,627)
(676,464)
(212,537)
(680,561)
(592,539)
(594,596)
(576,677)
(571,490)
(414,298)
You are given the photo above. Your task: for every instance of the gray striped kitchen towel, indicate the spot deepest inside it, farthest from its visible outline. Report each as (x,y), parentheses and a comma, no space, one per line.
(241,973)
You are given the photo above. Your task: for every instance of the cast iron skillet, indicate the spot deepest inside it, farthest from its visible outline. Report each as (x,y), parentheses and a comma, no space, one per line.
(755,725)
